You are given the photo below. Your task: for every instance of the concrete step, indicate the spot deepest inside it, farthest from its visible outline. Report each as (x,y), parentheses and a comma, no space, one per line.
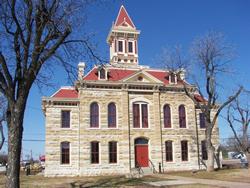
(147,171)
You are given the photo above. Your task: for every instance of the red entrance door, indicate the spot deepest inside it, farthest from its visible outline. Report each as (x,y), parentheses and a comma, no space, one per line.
(141,155)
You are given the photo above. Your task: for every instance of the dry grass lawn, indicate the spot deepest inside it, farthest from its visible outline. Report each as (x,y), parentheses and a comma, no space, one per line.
(234,175)
(82,182)
(71,182)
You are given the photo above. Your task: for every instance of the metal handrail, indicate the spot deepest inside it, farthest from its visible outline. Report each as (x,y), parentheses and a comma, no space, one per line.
(152,166)
(138,167)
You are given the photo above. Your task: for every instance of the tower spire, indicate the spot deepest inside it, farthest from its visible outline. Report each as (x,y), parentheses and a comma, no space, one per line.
(122,40)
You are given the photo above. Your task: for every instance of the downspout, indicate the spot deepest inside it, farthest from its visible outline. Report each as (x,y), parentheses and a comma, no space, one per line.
(161,132)
(197,137)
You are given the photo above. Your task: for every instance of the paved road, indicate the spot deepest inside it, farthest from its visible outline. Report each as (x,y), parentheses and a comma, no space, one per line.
(179,180)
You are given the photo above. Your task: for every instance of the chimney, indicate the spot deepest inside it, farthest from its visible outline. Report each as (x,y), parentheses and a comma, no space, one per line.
(81,68)
(182,73)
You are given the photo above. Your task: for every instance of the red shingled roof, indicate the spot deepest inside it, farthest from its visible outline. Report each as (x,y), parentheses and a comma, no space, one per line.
(66,93)
(123,17)
(199,98)
(119,74)
(114,74)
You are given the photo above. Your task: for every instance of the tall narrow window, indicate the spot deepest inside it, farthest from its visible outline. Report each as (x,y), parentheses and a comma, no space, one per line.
(202,120)
(167,116)
(65,118)
(184,150)
(140,115)
(182,116)
(130,47)
(169,151)
(111,115)
(94,152)
(144,115)
(112,152)
(65,156)
(102,73)
(136,115)
(94,115)
(120,46)
(204,149)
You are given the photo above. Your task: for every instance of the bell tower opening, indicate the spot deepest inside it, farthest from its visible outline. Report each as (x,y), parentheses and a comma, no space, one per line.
(123,41)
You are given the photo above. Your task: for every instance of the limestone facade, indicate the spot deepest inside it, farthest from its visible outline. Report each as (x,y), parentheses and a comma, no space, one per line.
(123,83)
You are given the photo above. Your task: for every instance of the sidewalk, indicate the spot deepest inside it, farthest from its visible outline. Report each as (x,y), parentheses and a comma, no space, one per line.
(179,180)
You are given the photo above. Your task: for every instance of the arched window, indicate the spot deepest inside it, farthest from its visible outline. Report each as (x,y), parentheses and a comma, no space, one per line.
(169,151)
(94,152)
(65,152)
(113,152)
(102,73)
(111,115)
(94,115)
(184,150)
(140,115)
(167,116)
(204,149)
(182,116)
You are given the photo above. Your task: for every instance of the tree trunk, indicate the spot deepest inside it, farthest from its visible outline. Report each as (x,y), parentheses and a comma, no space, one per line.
(210,148)
(15,117)
(248,160)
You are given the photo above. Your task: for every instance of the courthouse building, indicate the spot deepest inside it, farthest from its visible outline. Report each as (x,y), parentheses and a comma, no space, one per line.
(123,115)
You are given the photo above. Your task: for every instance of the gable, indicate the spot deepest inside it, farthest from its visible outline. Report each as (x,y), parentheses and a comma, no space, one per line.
(123,18)
(143,77)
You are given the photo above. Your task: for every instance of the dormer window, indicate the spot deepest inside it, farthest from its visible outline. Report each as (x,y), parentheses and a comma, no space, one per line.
(172,78)
(102,74)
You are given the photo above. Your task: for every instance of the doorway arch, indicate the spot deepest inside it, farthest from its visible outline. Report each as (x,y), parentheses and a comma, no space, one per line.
(141,152)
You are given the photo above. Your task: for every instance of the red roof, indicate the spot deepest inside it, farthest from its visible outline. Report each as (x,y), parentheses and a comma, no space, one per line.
(119,74)
(123,17)
(66,93)
(199,98)
(114,74)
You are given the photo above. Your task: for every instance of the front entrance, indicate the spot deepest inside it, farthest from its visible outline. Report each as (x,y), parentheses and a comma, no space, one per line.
(141,152)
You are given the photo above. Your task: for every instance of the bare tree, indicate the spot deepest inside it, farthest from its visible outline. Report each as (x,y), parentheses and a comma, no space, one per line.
(212,55)
(238,116)
(33,35)
(2,118)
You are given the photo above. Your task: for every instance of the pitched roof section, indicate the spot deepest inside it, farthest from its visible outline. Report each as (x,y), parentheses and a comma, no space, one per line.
(116,74)
(123,18)
(69,92)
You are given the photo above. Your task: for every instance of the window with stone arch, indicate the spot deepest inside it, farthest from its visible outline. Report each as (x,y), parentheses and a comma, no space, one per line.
(65,152)
(182,116)
(94,115)
(167,116)
(112,115)
(140,115)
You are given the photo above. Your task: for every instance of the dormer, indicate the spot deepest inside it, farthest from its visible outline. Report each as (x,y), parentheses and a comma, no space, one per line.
(122,40)
(102,73)
(172,78)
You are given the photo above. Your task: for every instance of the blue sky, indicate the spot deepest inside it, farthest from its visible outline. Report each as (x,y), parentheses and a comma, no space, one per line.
(163,23)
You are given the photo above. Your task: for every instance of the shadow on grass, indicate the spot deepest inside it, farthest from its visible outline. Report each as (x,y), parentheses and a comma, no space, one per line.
(108,182)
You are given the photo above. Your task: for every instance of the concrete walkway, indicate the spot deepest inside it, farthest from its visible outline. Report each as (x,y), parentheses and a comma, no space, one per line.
(179,180)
